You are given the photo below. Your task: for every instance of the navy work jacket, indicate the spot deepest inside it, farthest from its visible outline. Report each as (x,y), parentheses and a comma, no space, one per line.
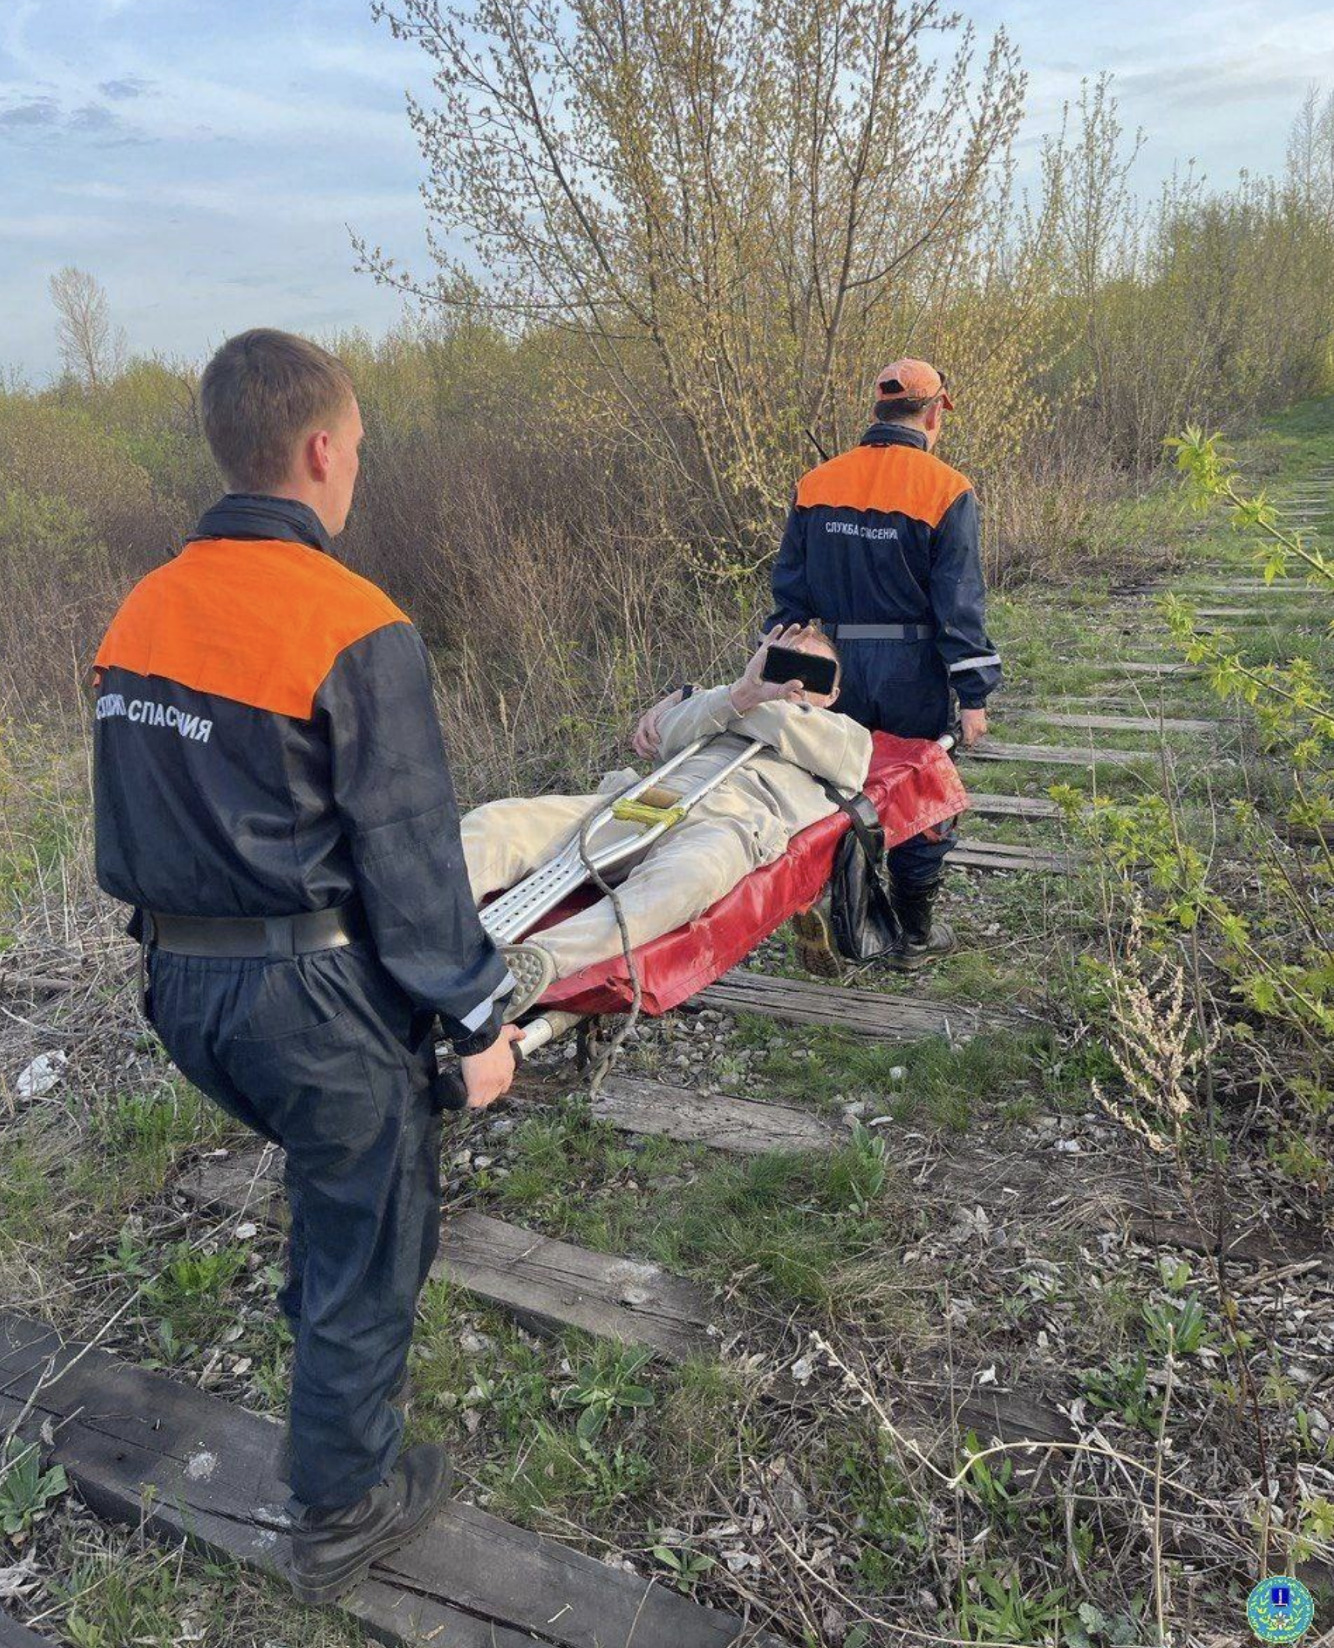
(886,536)
(266,742)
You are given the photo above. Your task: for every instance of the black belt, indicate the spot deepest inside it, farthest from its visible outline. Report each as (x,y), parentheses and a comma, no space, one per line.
(884,632)
(271,937)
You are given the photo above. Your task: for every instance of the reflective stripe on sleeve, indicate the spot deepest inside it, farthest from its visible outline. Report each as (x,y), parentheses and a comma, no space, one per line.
(482,1011)
(975,663)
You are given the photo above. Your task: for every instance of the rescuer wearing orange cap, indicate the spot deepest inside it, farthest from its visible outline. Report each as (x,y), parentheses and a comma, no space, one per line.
(882,548)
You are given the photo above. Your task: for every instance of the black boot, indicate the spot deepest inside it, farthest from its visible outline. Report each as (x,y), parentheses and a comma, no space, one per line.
(924,940)
(333,1550)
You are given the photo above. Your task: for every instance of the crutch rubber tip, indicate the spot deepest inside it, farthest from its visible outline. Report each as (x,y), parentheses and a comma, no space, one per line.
(534,973)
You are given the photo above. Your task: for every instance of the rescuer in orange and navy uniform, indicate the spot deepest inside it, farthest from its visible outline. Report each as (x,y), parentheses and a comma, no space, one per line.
(273,798)
(882,547)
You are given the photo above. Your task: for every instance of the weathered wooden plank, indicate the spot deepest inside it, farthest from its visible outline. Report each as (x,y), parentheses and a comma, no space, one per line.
(987,805)
(1130,699)
(1004,855)
(746,1126)
(555,1285)
(1121,723)
(1252,1247)
(997,749)
(14,1635)
(1255,586)
(548,1284)
(1245,614)
(1123,666)
(863,1012)
(1106,1193)
(1011,1416)
(142,1448)
(245,1183)
(1230,613)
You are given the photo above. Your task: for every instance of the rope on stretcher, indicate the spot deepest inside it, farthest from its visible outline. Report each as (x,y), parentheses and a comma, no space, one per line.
(654,806)
(603,1067)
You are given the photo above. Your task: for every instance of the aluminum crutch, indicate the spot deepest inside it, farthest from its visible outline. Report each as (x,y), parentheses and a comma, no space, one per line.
(507,918)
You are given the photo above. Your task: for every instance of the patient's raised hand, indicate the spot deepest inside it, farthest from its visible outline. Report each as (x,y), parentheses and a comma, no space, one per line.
(752,690)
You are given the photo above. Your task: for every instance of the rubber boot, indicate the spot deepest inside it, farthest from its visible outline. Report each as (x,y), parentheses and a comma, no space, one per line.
(924,940)
(332,1551)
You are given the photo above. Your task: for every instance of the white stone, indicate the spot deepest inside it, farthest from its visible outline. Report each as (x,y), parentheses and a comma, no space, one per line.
(41,1075)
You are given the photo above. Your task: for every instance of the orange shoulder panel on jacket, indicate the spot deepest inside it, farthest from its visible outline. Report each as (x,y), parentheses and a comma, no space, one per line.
(892,479)
(257,621)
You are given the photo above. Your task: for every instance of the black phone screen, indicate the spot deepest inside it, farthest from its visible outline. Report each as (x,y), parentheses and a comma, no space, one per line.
(815,672)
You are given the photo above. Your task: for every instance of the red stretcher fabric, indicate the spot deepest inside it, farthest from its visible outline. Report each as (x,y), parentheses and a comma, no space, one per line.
(913,785)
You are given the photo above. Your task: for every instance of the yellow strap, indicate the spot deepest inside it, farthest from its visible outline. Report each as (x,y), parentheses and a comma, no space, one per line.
(640,812)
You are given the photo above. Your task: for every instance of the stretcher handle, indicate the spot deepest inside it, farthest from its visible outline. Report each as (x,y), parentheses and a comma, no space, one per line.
(549,1027)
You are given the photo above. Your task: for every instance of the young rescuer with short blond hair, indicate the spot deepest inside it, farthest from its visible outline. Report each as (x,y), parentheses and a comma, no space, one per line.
(274,800)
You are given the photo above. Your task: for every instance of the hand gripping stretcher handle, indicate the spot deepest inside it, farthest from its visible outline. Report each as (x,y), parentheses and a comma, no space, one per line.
(549,1027)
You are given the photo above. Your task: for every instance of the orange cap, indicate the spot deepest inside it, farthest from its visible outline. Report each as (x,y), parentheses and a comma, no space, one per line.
(915,380)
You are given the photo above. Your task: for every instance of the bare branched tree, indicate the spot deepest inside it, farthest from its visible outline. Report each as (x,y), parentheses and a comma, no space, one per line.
(1311,156)
(91,348)
(738,205)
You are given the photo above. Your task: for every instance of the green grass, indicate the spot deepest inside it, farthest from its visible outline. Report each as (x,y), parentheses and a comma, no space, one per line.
(107,1605)
(979,976)
(799,1228)
(891,1524)
(805,1230)
(581,1179)
(98,1155)
(927,1082)
(511,1408)
(135,1139)
(112,1587)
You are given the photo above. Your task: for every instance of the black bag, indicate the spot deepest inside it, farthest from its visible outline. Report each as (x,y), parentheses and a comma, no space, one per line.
(860,909)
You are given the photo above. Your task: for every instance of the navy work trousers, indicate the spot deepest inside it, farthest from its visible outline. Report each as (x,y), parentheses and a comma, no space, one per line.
(902,687)
(920,860)
(324,1055)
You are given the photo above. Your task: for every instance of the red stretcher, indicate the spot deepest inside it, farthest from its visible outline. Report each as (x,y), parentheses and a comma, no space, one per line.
(913,785)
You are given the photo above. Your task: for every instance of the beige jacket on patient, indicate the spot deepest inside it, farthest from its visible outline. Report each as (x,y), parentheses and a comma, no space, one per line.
(746,822)
(774,792)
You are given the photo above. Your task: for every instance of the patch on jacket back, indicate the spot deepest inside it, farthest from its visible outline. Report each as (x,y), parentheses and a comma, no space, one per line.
(860,529)
(148,712)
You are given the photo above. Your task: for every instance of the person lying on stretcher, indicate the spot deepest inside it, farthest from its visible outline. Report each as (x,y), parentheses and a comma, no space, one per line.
(747,821)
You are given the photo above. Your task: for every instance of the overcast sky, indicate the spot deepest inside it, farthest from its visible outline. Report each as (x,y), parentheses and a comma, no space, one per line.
(204,157)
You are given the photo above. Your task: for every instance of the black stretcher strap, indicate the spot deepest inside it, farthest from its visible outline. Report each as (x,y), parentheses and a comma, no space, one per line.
(860,812)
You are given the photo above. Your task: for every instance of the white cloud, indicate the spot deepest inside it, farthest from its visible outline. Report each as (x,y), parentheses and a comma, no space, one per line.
(204,158)
(56,228)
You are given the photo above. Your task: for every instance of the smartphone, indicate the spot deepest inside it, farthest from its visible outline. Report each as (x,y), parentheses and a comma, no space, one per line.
(814,670)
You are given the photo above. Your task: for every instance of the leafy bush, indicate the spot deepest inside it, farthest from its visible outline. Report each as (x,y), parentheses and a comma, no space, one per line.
(26,1490)
(1274,948)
